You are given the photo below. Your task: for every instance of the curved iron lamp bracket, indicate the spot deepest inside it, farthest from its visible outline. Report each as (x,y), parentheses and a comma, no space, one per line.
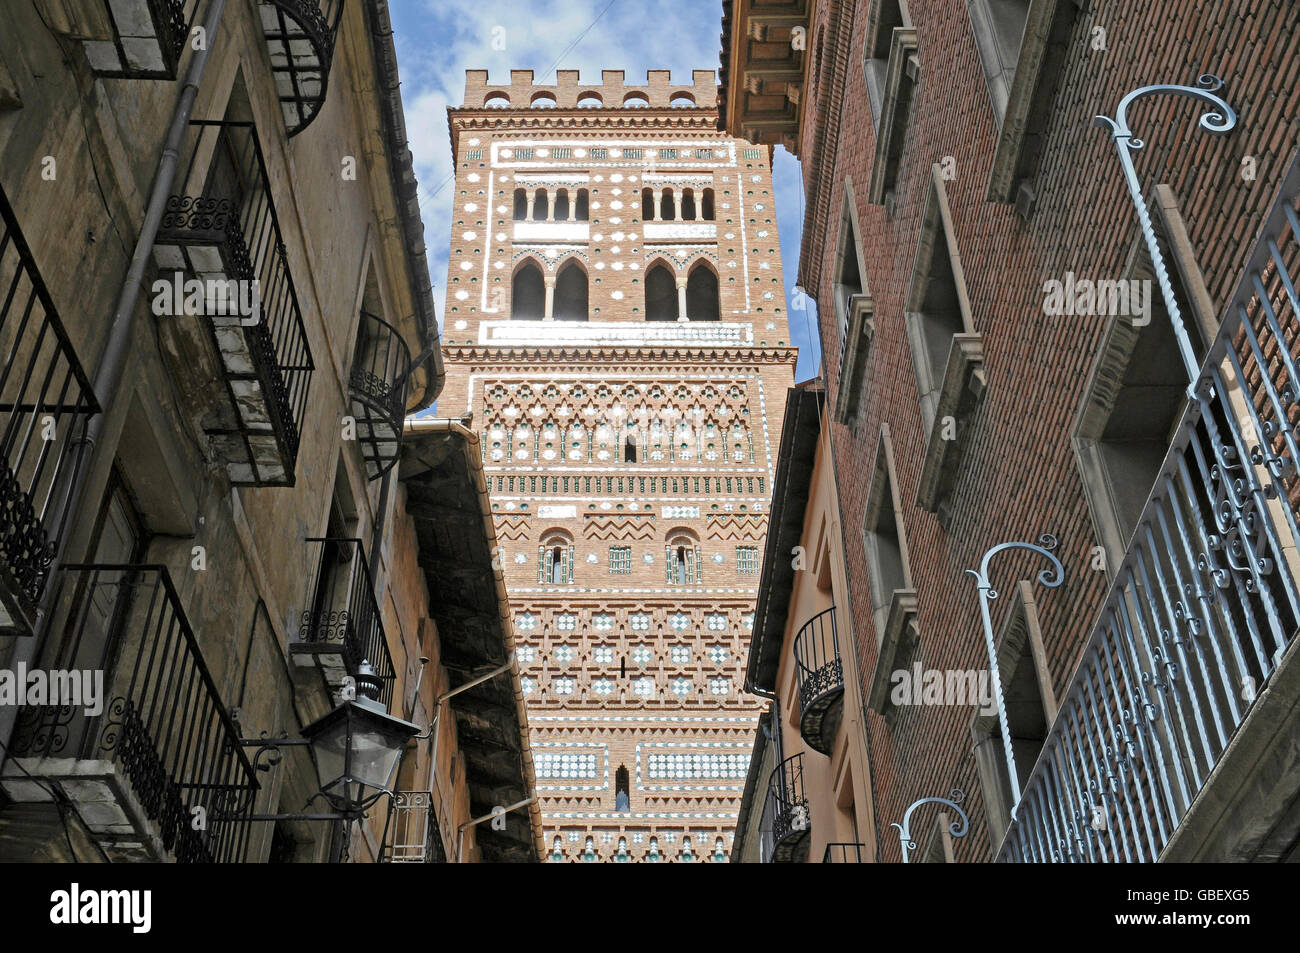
(1050,577)
(955,829)
(1218,119)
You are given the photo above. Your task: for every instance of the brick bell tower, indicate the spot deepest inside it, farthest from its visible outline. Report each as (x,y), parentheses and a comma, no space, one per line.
(615,322)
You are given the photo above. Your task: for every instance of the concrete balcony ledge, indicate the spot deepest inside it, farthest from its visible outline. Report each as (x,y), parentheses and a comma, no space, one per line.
(101,796)
(1249,808)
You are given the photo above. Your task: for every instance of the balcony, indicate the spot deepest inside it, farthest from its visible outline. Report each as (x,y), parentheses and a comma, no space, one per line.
(411,835)
(821,681)
(300,41)
(161,752)
(46,401)
(785,825)
(1175,738)
(136,39)
(377,392)
(843,854)
(342,627)
(226,240)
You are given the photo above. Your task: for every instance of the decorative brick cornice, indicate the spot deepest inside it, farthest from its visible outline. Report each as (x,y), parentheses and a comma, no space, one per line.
(571,357)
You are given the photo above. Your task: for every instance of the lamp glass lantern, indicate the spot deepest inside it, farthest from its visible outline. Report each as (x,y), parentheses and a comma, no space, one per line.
(356,748)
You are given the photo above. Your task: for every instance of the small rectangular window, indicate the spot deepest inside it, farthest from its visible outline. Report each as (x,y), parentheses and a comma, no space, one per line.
(620,560)
(668,153)
(747,560)
(633,153)
(474,155)
(704,153)
(600,153)
(526,153)
(565,153)
(753,154)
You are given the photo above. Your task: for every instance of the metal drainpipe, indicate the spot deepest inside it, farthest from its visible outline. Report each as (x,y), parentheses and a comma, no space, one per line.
(113,359)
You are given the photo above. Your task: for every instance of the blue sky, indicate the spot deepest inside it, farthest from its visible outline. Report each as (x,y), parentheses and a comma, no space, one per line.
(437,40)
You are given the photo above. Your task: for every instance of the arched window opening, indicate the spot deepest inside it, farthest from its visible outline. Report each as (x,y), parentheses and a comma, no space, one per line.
(539,206)
(636,100)
(622,797)
(683,558)
(629,449)
(702,294)
(706,211)
(590,101)
(562,205)
(555,560)
(647,205)
(581,205)
(681,99)
(668,211)
(660,294)
(570,293)
(688,205)
(528,293)
(543,101)
(521,205)
(496,101)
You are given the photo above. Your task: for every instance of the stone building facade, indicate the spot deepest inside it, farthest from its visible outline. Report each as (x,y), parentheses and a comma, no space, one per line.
(616,335)
(957,184)
(210,500)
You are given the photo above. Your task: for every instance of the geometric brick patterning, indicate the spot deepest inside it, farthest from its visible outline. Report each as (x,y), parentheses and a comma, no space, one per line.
(616,328)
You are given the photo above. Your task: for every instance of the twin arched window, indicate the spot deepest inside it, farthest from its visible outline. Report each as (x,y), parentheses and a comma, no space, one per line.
(662,302)
(566,300)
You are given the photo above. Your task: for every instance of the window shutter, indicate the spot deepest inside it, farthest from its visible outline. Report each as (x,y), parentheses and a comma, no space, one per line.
(668,562)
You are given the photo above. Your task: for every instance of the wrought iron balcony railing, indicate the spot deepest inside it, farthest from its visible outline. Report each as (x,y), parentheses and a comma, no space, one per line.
(377,391)
(411,834)
(784,829)
(163,724)
(842,854)
(1205,602)
(228,238)
(300,38)
(821,681)
(342,626)
(46,402)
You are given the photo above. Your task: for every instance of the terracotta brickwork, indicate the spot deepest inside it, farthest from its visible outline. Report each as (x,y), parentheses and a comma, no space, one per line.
(1012,226)
(629,457)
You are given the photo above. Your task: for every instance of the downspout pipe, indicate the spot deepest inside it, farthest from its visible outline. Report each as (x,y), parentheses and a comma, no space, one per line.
(113,361)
